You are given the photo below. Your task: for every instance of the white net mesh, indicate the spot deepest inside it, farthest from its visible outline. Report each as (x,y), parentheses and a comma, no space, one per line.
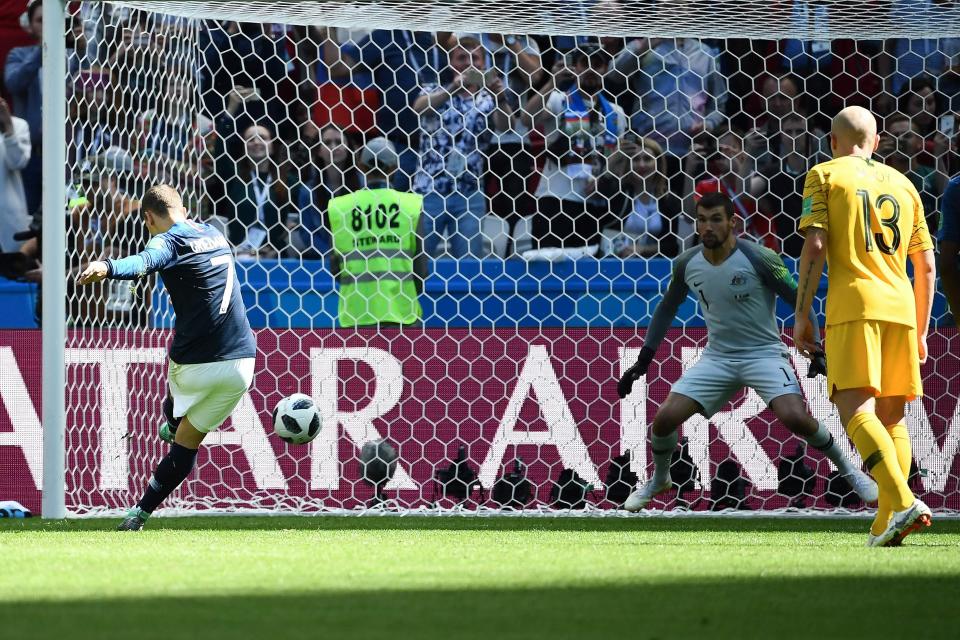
(558,172)
(813,20)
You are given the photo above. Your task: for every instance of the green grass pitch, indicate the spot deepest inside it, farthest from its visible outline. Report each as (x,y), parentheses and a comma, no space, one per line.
(277,578)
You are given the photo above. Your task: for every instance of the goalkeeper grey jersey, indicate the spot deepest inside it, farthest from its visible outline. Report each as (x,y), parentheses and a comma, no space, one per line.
(737,300)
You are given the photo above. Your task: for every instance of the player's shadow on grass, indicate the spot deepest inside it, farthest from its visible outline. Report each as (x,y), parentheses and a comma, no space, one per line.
(776,607)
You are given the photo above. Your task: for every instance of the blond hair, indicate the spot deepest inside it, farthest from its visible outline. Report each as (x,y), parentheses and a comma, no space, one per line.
(655,149)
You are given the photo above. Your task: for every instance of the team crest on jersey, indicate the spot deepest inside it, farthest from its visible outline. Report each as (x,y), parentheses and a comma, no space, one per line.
(738,280)
(807,207)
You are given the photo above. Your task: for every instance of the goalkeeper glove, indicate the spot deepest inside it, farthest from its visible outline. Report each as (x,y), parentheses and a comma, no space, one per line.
(631,375)
(818,364)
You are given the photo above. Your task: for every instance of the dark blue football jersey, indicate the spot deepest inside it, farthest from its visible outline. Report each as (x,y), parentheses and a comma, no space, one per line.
(196,265)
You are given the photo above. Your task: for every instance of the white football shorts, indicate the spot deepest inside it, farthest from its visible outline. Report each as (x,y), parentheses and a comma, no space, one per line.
(207,392)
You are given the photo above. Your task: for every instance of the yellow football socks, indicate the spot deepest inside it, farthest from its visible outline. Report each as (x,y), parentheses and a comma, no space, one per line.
(880,456)
(901,442)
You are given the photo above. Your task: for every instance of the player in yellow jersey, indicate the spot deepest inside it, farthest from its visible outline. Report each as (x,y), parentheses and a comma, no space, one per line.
(865,219)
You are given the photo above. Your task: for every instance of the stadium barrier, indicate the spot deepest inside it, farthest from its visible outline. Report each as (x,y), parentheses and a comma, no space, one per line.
(545,397)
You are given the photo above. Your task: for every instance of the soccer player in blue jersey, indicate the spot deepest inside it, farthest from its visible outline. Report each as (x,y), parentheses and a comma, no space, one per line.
(737,282)
(949,267)
(213,349)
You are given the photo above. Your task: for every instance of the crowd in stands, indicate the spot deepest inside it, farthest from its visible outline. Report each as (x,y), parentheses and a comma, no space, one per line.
(522,146)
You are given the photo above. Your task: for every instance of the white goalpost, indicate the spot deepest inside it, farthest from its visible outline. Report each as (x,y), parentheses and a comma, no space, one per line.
(54,259)
(257,113)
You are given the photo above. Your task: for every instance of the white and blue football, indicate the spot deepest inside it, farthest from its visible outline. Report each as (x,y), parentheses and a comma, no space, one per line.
(296,419)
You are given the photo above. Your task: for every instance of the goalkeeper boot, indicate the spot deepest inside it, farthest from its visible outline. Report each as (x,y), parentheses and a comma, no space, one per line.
(642,496)
(864,486)
(136,518)
(914,518)
(168,432)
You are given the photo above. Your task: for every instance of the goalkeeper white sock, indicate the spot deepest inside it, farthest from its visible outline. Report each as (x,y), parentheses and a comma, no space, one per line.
(663,447)
(824,441)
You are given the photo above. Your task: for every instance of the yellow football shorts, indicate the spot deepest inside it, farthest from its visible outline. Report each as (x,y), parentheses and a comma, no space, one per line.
(875,354)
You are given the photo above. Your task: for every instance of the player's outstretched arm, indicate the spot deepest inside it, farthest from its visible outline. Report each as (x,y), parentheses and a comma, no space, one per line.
(812,261)
(663,316)
(924,285)
(157,254)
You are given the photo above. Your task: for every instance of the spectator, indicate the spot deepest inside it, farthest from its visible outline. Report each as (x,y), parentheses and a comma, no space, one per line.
(175,129)
(907,58)
(116,210)
(836,73)
(949,267)
(918,100)
(76,46)
(458,121)
(14,156)
(728,171)
(22,78)
(556,47)
(949,86)
(93,117)
(88,41)
(782,95)
(517,57)
(334,174)
(680,89)
(256,198)
(901,149)
(807,57)
(781,176)
(137,61)
(582,128)
(401,62)
(350,101)
(764,143)
(248,55)
(105,221)
(645,209)
(224,146)
(510,162)
(946,148)
(616,85)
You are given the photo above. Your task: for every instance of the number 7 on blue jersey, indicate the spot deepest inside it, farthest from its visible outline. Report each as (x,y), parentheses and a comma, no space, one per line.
(227,260)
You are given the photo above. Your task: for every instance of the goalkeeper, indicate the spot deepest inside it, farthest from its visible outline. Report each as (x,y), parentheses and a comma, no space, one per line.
(737,283)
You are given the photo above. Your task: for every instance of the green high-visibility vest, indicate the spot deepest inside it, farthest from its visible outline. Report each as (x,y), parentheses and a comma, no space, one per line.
(375,232)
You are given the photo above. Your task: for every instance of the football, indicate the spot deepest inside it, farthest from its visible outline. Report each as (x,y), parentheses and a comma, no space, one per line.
(296,420)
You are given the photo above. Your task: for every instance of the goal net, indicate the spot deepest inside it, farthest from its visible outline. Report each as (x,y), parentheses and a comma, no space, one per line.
(559,173)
